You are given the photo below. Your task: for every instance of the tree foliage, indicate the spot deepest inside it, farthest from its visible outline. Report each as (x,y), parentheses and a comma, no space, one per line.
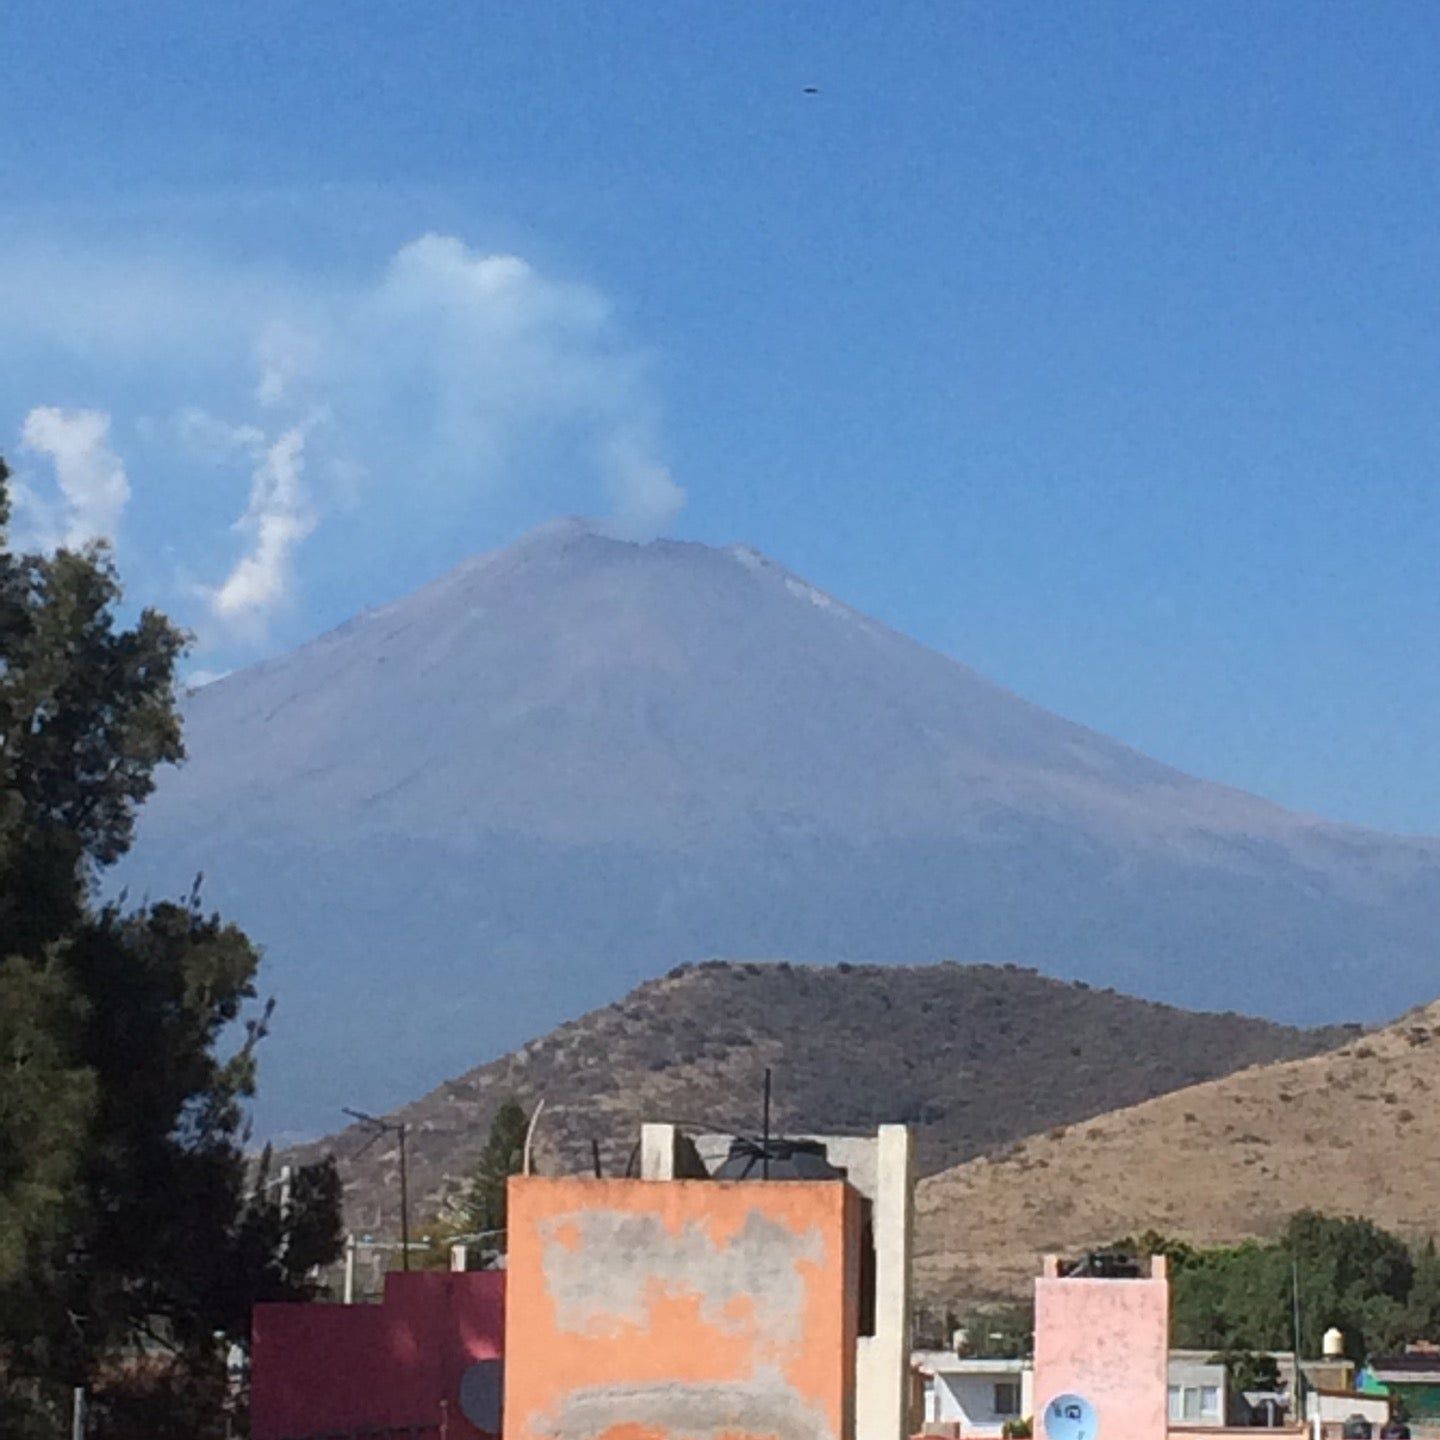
(1345,1272)
(133,1236)
(477,1214)
(501,1158)
(999,1331)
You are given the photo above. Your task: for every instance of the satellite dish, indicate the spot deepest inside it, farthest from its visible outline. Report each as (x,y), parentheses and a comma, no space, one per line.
(1071,1417)
(482,1391)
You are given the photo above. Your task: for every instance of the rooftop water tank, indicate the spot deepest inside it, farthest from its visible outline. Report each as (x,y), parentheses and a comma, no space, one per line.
(1333,1345)
(783,1160)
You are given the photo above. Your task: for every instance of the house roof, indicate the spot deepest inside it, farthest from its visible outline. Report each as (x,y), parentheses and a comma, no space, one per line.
(1388,1374)
(947,1362)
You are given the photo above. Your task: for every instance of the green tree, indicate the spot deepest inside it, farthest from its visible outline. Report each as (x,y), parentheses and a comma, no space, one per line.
(1346,1272)
(502,1157)
(477,1214)
(1248,1370)
(132,1234)
(1351,1274)
(1422,1307)
(999,1331)
(480,1210)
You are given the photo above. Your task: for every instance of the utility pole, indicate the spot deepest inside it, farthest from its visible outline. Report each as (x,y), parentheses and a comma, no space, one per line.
(404,1205)
(1299,1372)
(350,1248)
(287,1179)
(378,1129)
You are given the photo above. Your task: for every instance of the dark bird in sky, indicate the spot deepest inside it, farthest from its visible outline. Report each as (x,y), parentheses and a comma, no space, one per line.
(812,89)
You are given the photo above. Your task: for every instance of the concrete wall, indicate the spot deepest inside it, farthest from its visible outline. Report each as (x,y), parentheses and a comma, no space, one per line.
(691,1310)
(1105,1342)
(883,1359)
(1334,1407)
(322,1368)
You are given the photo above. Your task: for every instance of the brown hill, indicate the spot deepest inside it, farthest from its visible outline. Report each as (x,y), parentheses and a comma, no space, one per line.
(1354,1131)
(972,1055)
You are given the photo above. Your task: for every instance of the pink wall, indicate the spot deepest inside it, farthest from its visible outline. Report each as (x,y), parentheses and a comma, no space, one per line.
(327,1367)
(1108,1342)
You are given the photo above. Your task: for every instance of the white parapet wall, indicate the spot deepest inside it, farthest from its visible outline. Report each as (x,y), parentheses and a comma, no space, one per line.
(882,1388)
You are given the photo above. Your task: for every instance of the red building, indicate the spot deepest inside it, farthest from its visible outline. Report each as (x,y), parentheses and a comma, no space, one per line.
(425,1363)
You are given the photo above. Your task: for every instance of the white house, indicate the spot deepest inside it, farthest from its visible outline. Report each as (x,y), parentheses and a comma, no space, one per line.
(977,1396)
(1197,1390)
(965,1396)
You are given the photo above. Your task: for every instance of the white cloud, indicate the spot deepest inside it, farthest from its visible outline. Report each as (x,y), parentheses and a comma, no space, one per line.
(88,474)
(277,520)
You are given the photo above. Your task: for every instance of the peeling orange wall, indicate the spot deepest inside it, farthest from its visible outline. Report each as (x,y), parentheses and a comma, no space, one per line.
(645,1310)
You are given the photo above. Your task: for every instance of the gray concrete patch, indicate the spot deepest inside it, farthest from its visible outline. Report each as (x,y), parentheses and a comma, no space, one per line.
(603,1283)
(765,1405)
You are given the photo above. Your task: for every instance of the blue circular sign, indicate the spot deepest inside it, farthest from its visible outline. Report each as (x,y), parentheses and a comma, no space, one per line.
(1071,1417)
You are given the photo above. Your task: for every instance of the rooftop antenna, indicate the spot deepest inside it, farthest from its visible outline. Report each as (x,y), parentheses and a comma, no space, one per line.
(377,1130)
(765,1136)
(528,1154)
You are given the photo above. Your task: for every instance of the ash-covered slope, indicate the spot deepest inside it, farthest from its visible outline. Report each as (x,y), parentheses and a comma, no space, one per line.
(459,819)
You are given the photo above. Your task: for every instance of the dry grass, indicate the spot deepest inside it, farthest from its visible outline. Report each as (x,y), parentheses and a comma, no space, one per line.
(1355,1131)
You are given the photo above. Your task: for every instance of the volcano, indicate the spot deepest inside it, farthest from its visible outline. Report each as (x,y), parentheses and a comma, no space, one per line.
(575,762)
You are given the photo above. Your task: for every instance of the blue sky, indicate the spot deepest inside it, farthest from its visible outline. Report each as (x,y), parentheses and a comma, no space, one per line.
(1094,344)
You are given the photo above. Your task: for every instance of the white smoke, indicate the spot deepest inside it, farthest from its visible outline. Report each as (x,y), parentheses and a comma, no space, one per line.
(644,499)
(209,438)
(463,394)
(505,363)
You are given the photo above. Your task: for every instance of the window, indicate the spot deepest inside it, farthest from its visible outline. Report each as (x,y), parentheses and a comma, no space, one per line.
(867,1268)
(1194,1403)
(1007,1397)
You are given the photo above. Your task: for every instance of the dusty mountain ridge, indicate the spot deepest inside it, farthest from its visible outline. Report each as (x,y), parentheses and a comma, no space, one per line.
(1352,1131)
(973,1056)
(568,764)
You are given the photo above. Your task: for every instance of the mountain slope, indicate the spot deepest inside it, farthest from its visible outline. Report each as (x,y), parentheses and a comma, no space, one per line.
(1354,1131)
(462,818)
(972,1056)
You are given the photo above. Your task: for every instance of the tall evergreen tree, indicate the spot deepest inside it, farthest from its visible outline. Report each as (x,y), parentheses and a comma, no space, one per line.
(133,1237)
(501,1158)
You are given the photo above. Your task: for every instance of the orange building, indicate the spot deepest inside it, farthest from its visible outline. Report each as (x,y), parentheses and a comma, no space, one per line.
(645,1311)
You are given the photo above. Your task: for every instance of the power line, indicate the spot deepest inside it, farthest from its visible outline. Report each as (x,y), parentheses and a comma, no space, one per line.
(378,1129)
